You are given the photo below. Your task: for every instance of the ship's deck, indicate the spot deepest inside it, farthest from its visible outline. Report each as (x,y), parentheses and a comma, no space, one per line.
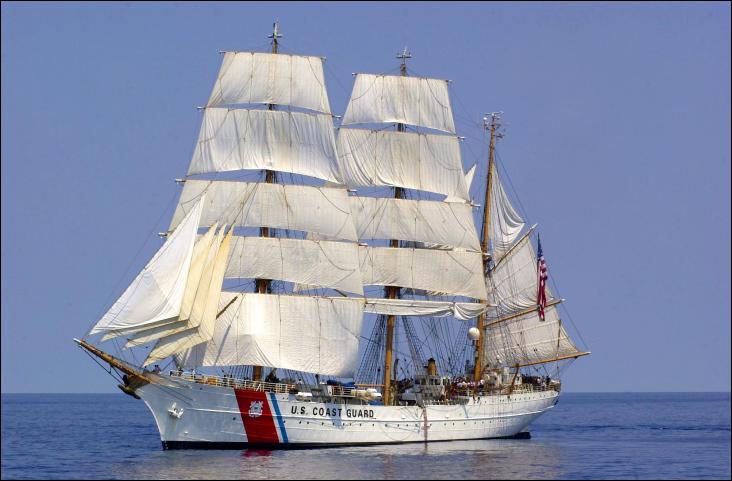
(458,395)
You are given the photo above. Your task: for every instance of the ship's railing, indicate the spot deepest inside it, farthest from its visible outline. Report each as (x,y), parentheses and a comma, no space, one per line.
(225,381)
(341,391)
(507,389)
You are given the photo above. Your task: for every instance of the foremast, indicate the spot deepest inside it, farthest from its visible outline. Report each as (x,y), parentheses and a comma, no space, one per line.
(262,286)
(244,131)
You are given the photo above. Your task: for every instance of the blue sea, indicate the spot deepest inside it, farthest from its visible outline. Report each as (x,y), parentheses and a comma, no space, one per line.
(587,436)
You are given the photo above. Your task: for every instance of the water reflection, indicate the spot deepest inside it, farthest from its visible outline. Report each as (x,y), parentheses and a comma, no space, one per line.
(490,459)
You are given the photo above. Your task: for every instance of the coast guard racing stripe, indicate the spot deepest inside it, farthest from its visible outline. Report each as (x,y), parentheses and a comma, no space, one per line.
(256,415)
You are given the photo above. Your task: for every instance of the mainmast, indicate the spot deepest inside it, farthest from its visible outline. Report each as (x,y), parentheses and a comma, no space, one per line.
(491,127)
(262,286)
(393,291)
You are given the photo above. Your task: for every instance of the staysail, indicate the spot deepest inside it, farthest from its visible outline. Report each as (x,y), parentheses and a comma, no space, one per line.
(156,294)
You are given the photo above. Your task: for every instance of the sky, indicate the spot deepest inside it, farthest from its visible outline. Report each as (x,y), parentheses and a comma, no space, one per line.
(617,141)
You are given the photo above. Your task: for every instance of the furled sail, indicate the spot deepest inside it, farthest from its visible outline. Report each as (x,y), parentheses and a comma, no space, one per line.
(449,271)
(427,162)
(308,262)
(445,223)
(157,292)
(322,210)
(303,333)
(416,101)
(506,223)
(413,307)
(277,140)
(265,78)
(526,340)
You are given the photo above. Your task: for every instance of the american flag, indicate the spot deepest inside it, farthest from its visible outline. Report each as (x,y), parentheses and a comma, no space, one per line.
(542,272)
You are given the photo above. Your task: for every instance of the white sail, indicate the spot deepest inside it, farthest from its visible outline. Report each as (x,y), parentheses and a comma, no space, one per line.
(308,262)
(204,284)
(506,223)
(201,253)
(449,271)
(469,176)
(402,159)
(445,223)
(324,210)
(416,101)
(204,311)
(198,286)
(416,307)
(513,282)
(157,291)
(266,139)
(265,78)
(311,334)
(527,339)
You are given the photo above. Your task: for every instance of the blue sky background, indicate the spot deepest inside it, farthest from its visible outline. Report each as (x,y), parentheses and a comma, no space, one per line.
(617,141)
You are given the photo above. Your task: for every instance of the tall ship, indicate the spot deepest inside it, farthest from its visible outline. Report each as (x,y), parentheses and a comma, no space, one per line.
(324,285)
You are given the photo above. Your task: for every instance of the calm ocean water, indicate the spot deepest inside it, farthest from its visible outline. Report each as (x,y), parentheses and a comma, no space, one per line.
(624,435)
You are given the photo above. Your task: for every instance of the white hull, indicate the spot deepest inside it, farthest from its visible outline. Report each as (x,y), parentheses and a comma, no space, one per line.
(193,415)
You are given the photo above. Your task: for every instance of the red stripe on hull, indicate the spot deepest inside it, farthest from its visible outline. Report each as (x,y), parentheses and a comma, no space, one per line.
(259,424)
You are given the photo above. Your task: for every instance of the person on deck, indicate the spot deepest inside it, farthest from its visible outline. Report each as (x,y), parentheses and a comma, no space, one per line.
(272,376)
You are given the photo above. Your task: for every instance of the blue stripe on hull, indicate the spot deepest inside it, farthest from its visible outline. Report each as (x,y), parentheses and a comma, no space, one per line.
(280,422)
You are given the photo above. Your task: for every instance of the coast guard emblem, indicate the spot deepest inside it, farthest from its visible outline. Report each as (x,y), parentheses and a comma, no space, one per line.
(255,409)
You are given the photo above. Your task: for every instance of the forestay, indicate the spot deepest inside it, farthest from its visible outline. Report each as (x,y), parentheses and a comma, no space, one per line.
(527,339)
(425,162)
(448,271)
(416,101)
(444,223)
(513,282)
(265,78)
(292,142)
(157,292)
(315,263)
(323,210)
(303,333)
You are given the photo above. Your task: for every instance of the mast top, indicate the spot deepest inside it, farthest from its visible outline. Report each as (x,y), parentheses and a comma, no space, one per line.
(493,120)
(275,35)
(403,57)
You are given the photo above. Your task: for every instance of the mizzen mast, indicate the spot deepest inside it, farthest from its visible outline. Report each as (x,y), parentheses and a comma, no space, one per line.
(491,126)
